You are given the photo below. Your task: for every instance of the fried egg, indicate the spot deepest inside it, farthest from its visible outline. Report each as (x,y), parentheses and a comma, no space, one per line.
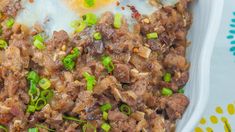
(55,15)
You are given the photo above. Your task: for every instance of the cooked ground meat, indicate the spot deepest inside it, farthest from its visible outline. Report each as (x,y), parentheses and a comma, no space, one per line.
(127,70)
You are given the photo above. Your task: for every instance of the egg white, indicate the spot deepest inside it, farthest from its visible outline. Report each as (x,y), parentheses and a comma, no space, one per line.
(56,15)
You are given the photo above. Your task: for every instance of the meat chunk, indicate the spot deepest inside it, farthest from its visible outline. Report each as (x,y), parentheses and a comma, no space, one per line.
(173,60)
(122,73)
(59,39)
(117,116)
(105,84)
(175,105)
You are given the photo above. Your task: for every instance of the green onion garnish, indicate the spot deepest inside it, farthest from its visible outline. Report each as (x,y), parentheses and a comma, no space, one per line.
(44,83)
(106,127)
(106,107)
(89,3)
(107,63)
(3,128)
(167,77)
(34,94)
(33,130)
(41,102)
(3,44)
(73,119)
(33,76)
(82,25)
(117,20)
(181,91)
(105,115)
(68,61)
(97,36)
(166,92)
(90,19)
(31,109)
(47,94)
(90,81)
(152,35)
(39,42)
(10,22)
(44,127)
(88,126)
(125,109)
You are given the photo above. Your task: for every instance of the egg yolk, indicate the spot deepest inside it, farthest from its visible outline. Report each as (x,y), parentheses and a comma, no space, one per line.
(80,6)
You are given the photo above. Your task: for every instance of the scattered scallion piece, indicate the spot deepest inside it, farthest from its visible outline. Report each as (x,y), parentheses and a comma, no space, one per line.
(44,83)
(68,61)
(97,36)
(90,81)
(105,115)
(33,129)
(3,44)
(31,109)
(33,76)
(44,127)
(88,126)
(39,42)
(167,77)
(34,94)
(181,91)
(82,25)
(106,107)
(41,102)
(47,94)
(117,20)
(73,119)
(3,128)
(166,92)
(89,3)
(125,109)
(106,127)
(90,19)
(10,22)
(107,63)
(153,35)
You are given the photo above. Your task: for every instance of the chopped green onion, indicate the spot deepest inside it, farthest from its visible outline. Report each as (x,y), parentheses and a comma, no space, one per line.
(90,81)
(39,45)
(90,19)
(73,119)
(44,83)
(68,61)
(3,44)
(47,94)
(82,25)
(10,22)
(3,128)
(107,63)
(117,20)
(105,115)
(44,127)
(97,36)
(39,42)
(33,76)
(88,126)
(152,35)
(106,127)
(167,77)
(31,109)
(33,129)
(106,107)
(34,96)
(41,102)
(166,92)
(90,3)
(125,109)
(181,91)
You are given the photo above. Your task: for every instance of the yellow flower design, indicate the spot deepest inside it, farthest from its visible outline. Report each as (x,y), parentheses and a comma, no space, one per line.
(216,120)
